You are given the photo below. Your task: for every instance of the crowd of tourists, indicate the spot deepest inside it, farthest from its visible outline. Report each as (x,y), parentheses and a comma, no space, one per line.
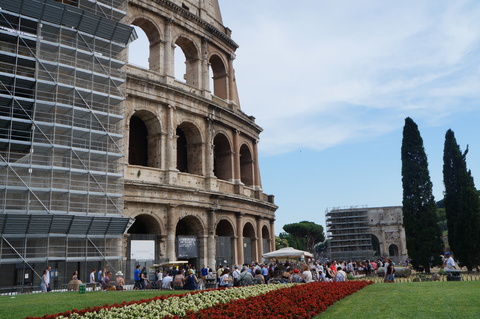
(189,278)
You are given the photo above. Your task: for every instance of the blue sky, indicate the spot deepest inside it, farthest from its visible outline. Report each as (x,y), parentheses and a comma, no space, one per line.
(331,83)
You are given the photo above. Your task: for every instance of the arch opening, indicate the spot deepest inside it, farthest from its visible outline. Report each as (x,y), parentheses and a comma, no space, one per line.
(224,243)
(138,142)
(222,160)
(249,247)
(219,77)
(145,51)
(189,149)
(187,233)
(143,239)
(265,239)
(186,62)
(393,250)
(246,165)
(375,245)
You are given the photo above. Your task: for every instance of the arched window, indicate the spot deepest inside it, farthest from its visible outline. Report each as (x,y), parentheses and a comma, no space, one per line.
(393,250)
(139,50)
(144,132)
(190,59)
(219,76)
(138,142)
(222,161)
(246,165)
(189,149)
(145,51)
(182,157)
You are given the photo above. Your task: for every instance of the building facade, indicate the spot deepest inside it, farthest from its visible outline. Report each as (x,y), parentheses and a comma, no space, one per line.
(106,164)
(363,233)
(192,178)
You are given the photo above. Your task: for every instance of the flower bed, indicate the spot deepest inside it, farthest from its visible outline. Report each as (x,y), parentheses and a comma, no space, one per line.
(300,301)
(265,301)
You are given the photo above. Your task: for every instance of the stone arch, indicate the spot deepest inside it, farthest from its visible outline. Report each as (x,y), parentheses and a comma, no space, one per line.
(189,149)
(246,165)
(224,233)
(189,246)
(222,157)
(146,229)
(192,60)
(249,246)
(393,250)
(265,239)
(219,76)
(376,245)
(154,37)
(143,146)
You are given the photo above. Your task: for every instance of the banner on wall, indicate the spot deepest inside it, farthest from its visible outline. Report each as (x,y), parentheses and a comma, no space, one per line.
(187,247)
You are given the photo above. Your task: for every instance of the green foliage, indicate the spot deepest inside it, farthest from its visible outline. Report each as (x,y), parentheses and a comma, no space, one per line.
(462,204)
(281,243)
(305,235)
(423,234)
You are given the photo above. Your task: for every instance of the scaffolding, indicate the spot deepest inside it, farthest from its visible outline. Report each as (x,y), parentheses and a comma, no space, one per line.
(62,84)
(349,233)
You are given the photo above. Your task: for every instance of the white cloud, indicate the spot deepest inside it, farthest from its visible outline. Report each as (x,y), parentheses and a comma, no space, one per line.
(299,61)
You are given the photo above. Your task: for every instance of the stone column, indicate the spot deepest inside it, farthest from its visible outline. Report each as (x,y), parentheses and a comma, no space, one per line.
(272,235)
(169,49)
(237,178)
(232,88)
(259,239)
(171,154)
(171,229)
(205,70)
(239,240)
(211,240)
(256,168)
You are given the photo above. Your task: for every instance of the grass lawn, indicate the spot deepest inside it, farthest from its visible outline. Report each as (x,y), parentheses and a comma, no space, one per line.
(36,305)
(399,300)
(459,299)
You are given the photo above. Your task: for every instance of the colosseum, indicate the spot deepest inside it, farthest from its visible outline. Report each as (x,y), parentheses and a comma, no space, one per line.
(106,164)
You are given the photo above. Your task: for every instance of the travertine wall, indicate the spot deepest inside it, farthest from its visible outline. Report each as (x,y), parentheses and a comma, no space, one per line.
(201,177)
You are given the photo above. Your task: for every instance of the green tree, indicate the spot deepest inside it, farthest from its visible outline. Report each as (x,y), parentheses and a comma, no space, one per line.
(306,233)
(423,234)
(281,243)
(462,204)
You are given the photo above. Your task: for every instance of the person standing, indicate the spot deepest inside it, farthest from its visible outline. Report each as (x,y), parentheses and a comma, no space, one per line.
(236,275)
(191,282)
(137,278)
(92,280)
(47,278)
(264,269)
(43,283)
(390,272)
(204,271)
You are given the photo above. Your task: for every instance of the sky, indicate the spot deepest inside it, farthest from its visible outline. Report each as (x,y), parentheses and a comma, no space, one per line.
(331,83)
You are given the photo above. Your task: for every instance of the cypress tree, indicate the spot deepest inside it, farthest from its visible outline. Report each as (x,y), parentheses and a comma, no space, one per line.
(462,204)
(423,234)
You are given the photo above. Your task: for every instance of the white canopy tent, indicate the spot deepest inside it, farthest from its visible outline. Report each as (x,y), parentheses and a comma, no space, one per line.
(287,252)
